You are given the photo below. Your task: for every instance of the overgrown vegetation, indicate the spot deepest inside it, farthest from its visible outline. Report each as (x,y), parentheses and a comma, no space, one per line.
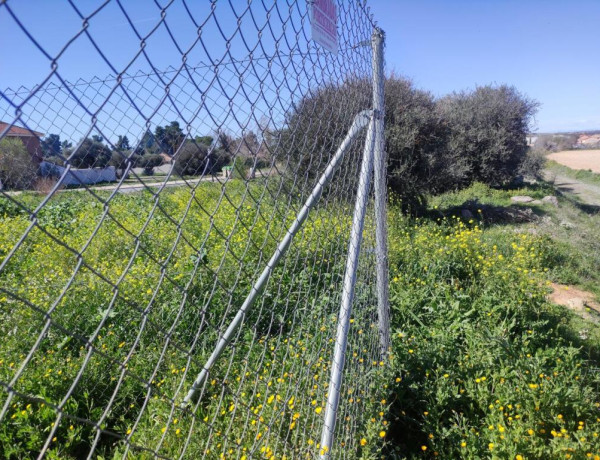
(17,168)
(482,365)
(434,145)
(161,328)
(485,367)
(584,175)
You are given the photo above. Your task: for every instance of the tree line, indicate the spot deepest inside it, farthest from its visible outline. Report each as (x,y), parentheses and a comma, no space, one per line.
(191,156)
(433,144)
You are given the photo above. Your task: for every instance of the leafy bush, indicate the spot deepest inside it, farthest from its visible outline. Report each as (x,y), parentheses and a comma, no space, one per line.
(191,160)
(533,164)
(17,169)
(487,128)
(121,160)
(55,160)
(91,153)
(317,125)
(149,162)
(195,158)
(418,161)
(239,169)
(433,145)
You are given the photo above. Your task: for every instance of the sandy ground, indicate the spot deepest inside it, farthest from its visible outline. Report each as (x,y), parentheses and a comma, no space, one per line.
(578,159)
(577,300)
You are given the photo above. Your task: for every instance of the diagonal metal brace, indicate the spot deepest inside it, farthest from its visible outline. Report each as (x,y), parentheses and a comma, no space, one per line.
(360,121)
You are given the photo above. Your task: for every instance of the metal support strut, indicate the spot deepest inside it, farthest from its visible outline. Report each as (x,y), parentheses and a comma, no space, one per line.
(343,325)
(373,158)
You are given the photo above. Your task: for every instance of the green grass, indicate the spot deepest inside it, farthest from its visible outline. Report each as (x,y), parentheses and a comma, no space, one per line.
(583,175)
(481,366)
(486,367)
(265,394)
(572,230)
(486,195)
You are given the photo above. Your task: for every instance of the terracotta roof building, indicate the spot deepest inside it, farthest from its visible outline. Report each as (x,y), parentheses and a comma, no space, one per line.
(30,139)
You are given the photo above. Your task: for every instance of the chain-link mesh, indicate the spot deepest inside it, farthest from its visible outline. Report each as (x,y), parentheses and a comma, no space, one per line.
(138,210)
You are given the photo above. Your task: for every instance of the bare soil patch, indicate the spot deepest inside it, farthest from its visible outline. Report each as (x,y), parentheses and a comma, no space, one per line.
(577,300)
(578,159)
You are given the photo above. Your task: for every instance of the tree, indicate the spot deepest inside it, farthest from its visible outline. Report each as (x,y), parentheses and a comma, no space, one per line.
(122,160)
(149,162)
(251,149)
(17,168)
(122,143)
(192,159)
(415,143)
(169,137)
(488,128)
(66,145)
(51,145)
(316,126)
(97,138)
(226,143)
(90,154)
(206,140)
(432,145)
(414,136)
(147,144)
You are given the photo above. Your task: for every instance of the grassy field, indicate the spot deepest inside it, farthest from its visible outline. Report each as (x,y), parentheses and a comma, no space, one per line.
(482,366)
(584,175)
(489,368)
(578,159)
(100,344)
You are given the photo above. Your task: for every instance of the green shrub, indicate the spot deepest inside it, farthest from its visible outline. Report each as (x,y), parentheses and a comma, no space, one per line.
(91,153)
(239,169)
(196,158)
(415,143)
(17,169)
(533,164)
(149,162)
(487,128)
(432,145)
(191,159)
(122,160)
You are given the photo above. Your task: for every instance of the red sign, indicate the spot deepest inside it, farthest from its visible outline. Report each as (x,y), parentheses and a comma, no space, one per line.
(324,24)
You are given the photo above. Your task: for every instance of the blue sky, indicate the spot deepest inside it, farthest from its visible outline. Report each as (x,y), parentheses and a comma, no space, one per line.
(548,49)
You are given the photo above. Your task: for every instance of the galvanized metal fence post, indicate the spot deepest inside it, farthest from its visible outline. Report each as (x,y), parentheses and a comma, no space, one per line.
(380,185)
(343,325)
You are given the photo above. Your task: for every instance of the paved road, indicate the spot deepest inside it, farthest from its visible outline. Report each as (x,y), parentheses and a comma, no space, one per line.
(130,188)
(587,193)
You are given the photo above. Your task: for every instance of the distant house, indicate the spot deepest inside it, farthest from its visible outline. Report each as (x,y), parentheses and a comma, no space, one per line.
(167,159)
(588,140)
(30,139)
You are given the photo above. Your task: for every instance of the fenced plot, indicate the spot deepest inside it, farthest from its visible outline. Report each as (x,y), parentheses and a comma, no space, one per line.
(239,311)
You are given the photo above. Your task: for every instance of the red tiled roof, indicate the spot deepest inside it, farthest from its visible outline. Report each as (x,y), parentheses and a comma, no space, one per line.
(18,131)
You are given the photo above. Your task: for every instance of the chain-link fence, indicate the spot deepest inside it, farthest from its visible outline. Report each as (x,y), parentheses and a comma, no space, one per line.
(181,269)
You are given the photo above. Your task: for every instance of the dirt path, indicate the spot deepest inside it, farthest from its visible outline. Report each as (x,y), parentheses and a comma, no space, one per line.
(587,193)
